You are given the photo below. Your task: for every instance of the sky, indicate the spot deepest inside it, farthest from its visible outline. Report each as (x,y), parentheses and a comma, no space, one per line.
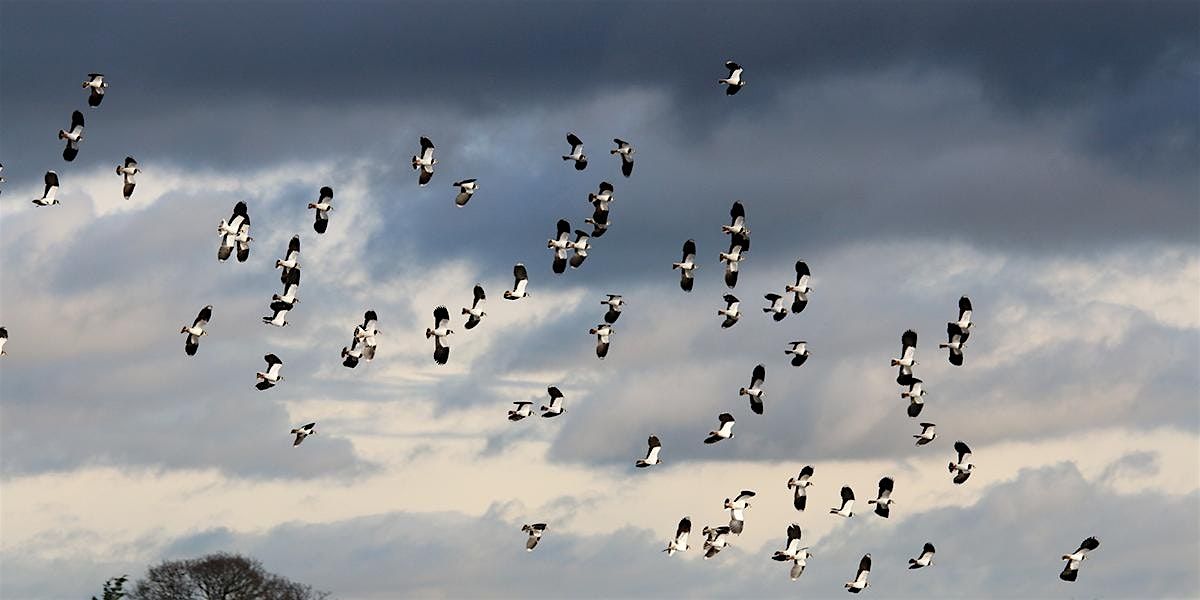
(1039,157)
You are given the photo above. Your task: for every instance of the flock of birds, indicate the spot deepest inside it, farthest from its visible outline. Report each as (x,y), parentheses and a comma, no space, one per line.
(234,237)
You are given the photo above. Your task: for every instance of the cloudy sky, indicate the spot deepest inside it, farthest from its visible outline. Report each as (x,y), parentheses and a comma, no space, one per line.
(1039,157)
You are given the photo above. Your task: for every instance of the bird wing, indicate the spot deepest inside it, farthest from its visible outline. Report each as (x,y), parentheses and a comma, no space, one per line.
(203,317)
(732,66)
(847,494)
(574,141)
(521,275)
(885,487)
(76,122)
(441,317)
(758,377)
(908,342)
(426,149)
(963,451)
(689,251)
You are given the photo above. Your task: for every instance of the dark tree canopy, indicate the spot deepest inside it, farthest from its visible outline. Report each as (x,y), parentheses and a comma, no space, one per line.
(219,576)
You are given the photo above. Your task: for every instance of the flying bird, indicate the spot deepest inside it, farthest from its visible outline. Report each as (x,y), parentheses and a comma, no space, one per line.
(599,222)
(535,535)
(441,330)
(303,432)
(651,454)
(73,136)
(716,539)
(232,232)
(603,333)
(323,205)
(521,282)
(955,342)
(580,247)
(614,303)
(915,394)
(50,193)
(730,312)
(755,391)
(680,542)
(723,432)
(737,229)
(732,259)
(601,199)
(127,171)
(3,340)
(556,403)
(559,244)
(800,289)
(291,287)
(95,86)
(925,559)
(279,312)
(928,432)
(908,357)
(793,551)
(196,330)
(962,469)
(290,260)
(576,154)
(1071,570)
(737,511)
(475,313)
(964,322)
(847,508)
(466,189)
(799,352)
(734,81)
(860,579)
(883,501)
(353,353)
(777,310)
(523,409)
(424,161)
(800,483)
(686,265)
(366,334)
(626,152)
(267,379)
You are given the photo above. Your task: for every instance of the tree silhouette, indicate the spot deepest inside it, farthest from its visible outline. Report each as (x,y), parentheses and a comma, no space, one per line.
(219,576)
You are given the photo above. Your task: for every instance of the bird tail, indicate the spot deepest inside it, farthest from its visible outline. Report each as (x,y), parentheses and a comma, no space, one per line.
(466,312)
(791,482)
(943,345)
(912,563)
(951,467)
(428,333)
(742,391)
(416,162)
(676,266)
(568,158)
(895,362)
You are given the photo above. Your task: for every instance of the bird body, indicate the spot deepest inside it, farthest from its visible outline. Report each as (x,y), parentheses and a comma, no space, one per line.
(625,151)
(679,543)
(523,409)
(733,81)
(777,310)
(196,330)
(847,507)
(50,192)
(556,403)
(799,352)
(651,459)
(800,483)
(267,379)
(801,288)
(1070,570)
(925,559)
(962,468)
(576,154)
(755,391)
(686,265)
(928,433)
(475,312)
(440,331)
(423,162)
(860,579)
(603,333)
(95,85)
(535,532)
(521,276)
(723,432)
(466,189)
(127,170)
(323,206)
(883,502)
(731,312)
(303,432)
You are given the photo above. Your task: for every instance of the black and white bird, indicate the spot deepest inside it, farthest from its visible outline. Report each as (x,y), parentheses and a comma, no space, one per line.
(964,321)
(233,232)
(279,313)
(603,333)
(715,540)
(723,432)
(625,150)
(424,161)
(323,205)
(800,483)
(599,222)
(441,330)
(686,265)
(737,229)
(192,344)
(267,379)
(955,342)
(614,302)
(475,313)
(290,260)
(523,409)
(95,86)
(50,192)
(559,244)
(2,180)
(535,535)
(1071,570)
(860,579)
(731,312)
(777,310)
(291,288)
(3,340)
(847,508)
(800,289)
(916,396)
(127,171)
(883,502)
(737,511)
(73,136)
(908,357)
(576,154)
(732,260)
(793,551)
(962,469)
(466,189)
(925,559)
(600,200)
(367,332)
(303,432)
(521,281)
(353,353)
(580,247)
(734,81)
(679,543)
(556,403)
(928,433)
(755,391)
(799,352)
(651,454)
